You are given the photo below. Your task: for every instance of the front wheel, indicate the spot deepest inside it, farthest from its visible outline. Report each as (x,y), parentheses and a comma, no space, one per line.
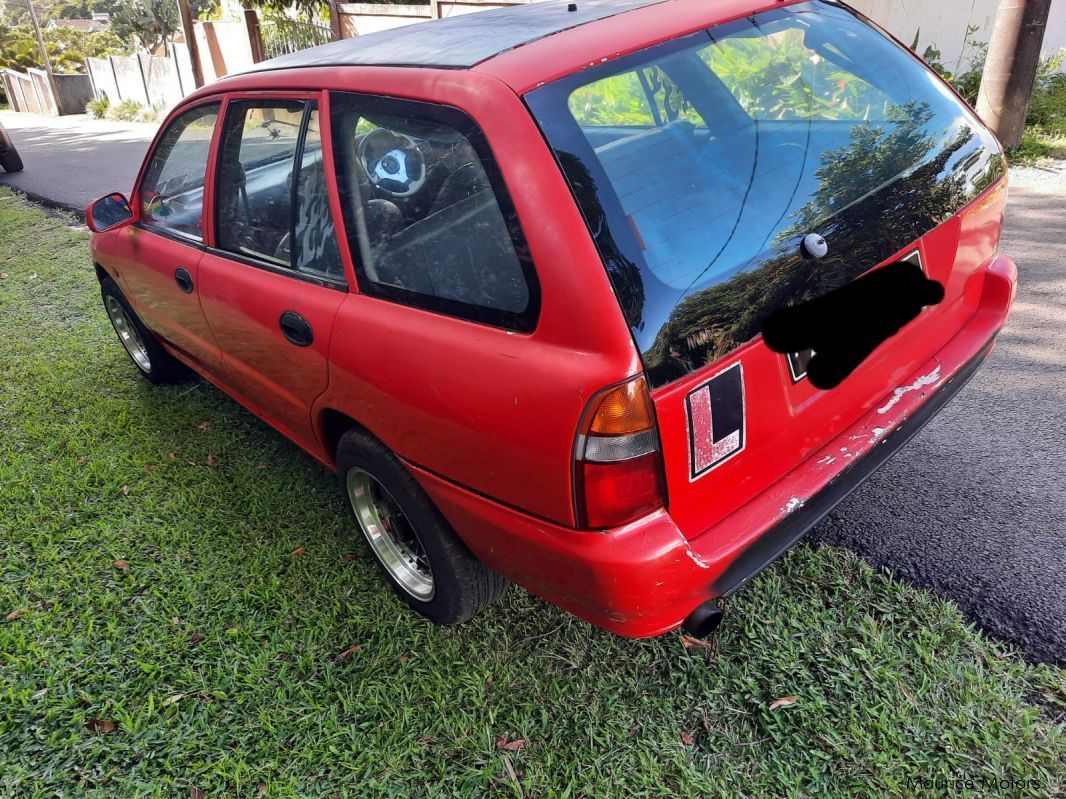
(154,363)
(422,558)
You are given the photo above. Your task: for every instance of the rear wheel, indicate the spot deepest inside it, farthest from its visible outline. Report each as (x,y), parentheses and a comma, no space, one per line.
(152,361)
(420,555)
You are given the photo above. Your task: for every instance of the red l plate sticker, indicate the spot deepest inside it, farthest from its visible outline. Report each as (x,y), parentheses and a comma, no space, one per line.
(716,424)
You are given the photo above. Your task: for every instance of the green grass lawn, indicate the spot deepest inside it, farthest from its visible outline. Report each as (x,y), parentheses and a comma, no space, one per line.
(191,614)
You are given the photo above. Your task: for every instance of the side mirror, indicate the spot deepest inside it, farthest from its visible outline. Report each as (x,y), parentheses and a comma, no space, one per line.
(108,212)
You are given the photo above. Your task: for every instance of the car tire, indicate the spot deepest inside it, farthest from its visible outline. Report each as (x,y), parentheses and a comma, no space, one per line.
(153,362)
(394,513)
(11,162)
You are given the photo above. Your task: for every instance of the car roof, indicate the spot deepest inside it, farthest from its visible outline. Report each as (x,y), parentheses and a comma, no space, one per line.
(458,42)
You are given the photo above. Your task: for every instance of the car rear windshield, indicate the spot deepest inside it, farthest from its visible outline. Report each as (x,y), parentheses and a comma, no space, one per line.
(700,165)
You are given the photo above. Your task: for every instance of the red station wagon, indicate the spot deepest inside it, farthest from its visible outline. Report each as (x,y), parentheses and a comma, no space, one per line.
(613,299)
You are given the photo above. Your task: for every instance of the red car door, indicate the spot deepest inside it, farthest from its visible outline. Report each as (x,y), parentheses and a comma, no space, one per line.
(271,283)
(157,260)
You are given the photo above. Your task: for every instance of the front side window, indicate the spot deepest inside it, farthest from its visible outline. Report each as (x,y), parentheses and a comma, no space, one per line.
(172,192)
(701,163)
(427,214)
(273,203)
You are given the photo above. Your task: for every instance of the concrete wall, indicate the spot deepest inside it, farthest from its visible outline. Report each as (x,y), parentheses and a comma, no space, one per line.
(362,18)
(74,91)
(48,103)
(162,83)
(358,19)
(944,24)
(224,48)
(453,8)
(31,91)
(21,92)
(103,79)
(162,80)
(129,78)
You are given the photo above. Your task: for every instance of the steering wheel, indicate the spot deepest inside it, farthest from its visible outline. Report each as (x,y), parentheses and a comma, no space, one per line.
(393,162)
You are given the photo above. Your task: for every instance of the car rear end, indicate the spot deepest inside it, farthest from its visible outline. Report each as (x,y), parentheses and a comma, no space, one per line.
(702,165)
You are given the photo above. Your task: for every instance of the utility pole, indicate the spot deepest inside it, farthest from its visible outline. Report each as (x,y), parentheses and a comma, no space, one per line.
(1010,70)
(190,42)
(44,55)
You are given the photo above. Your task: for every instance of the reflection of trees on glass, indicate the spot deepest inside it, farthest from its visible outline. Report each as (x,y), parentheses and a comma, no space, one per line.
(617,101)
(641,98)
(873,156)
(907,202)
(779,77)
(669,101)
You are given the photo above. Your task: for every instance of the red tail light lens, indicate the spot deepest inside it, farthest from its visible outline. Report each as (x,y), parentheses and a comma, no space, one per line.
(618,473)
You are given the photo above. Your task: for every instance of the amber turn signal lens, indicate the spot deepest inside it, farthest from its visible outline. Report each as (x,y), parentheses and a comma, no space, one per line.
(622,411)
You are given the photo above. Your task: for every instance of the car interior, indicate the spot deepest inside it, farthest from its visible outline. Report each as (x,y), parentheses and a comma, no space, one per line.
(426,216)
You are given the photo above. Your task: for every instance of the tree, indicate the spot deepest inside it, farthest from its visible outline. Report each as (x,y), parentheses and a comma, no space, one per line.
(84,9)
(1011,67)
(307,7)
(153,22)
(67,48)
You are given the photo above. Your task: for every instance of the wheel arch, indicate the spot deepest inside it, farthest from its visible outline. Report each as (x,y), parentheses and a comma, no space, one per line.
(332,424)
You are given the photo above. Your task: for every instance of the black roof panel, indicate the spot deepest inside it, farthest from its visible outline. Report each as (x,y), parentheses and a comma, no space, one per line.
(457,42)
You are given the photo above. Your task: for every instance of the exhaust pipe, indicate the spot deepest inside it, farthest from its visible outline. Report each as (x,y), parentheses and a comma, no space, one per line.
(704,620)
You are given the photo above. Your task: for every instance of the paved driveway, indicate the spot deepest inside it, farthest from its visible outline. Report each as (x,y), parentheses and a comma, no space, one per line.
(72,160)
(975,506)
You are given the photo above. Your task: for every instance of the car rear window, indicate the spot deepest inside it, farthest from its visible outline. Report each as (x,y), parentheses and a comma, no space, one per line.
(700,164)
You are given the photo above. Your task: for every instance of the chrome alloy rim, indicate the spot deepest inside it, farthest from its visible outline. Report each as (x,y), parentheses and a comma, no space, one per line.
(128,335)
(390,534)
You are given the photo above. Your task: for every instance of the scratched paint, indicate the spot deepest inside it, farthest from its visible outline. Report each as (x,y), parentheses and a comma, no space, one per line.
(923,381)
(692,555)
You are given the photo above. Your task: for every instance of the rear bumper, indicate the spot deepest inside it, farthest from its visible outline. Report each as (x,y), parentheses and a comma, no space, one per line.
(646,578)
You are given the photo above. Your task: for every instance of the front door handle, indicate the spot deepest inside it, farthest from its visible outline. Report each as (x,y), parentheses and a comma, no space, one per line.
(183,279)
(296,329)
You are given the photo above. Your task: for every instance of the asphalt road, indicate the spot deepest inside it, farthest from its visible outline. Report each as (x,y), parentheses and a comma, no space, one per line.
(973,508)
(72,160)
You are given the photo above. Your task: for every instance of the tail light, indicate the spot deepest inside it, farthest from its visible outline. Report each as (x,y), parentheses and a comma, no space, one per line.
(618,469)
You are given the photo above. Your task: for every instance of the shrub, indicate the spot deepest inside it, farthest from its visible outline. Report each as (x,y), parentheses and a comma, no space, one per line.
(149,114)
(1048,106)
(126,111)
(97,107)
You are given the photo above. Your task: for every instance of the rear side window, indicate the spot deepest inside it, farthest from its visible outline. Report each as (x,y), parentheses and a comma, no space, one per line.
(426,212)
(273,203)
(172,192)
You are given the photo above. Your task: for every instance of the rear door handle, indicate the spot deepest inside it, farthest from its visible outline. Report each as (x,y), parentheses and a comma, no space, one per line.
(183,279)
(296,329)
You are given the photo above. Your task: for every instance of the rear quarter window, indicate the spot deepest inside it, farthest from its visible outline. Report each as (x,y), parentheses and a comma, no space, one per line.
(427,215)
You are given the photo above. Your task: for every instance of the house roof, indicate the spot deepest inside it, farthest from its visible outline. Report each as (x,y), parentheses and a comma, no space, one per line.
(87,25)
(458,42)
